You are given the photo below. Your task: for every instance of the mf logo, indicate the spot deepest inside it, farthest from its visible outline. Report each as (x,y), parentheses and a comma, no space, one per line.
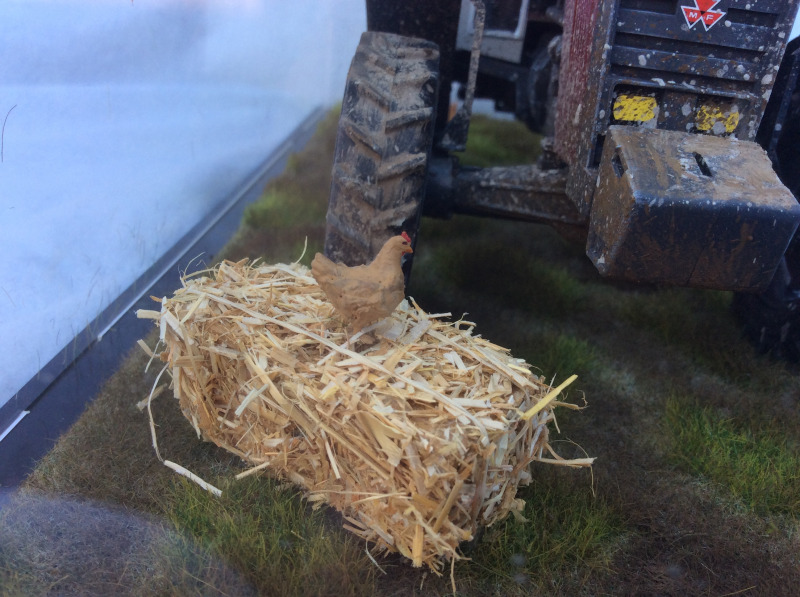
(702,12)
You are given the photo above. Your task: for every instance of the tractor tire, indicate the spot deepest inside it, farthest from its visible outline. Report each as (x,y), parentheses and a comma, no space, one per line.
(383,145)
(771,319)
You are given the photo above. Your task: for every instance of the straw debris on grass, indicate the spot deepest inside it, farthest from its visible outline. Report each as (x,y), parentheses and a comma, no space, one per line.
(415,429)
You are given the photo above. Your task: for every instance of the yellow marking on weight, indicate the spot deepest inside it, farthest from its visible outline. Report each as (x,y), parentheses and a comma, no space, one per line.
(635,108)
(707,116)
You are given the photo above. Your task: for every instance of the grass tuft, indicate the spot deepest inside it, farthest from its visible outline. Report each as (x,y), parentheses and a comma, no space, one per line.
(264,530)
(519,280)
(699,323)
(563,354)
(499,143)
(270,211)
(757,466)
(569,532)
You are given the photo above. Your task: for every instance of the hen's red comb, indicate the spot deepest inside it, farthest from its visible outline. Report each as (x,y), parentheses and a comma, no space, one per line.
(406,237)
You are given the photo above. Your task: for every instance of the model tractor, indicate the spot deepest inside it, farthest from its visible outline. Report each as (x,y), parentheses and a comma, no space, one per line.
(663,123)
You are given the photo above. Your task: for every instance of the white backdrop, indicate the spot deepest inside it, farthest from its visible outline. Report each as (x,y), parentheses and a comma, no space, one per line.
(125,123)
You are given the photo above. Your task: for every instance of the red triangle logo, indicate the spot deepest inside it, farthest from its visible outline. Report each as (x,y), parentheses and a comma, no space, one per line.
(706,5)
(710,17)
(692,14)
(702,12)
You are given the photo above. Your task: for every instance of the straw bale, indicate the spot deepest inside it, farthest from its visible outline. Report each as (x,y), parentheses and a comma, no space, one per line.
(416,429)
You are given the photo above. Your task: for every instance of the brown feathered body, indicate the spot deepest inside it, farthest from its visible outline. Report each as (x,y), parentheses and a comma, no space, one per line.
(364,294)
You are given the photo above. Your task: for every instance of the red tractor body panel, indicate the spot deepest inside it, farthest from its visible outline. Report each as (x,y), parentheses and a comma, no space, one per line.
(580,20)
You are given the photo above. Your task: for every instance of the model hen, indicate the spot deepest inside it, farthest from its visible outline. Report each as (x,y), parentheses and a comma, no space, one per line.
(365,294)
